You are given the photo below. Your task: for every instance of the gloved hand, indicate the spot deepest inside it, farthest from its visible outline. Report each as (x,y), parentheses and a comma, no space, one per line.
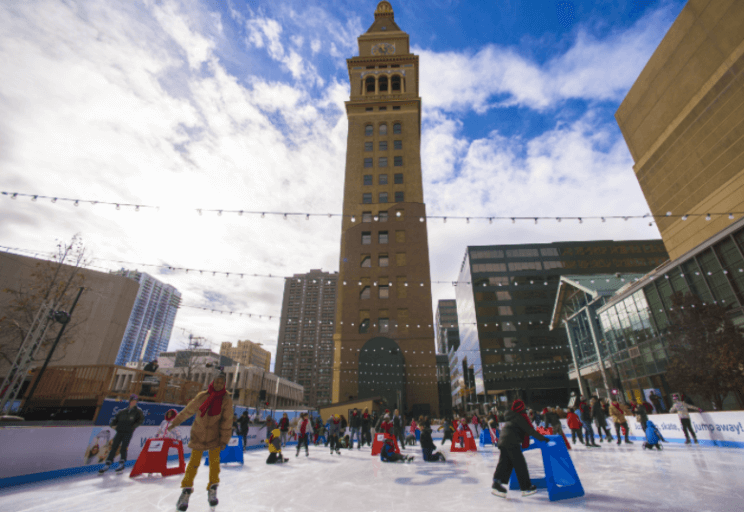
(223,447)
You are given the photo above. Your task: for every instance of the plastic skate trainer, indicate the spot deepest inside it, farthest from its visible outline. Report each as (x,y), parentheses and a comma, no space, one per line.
(486,437)
(380,440)
(561,478)
(468,442)
(154,458)
(233,452)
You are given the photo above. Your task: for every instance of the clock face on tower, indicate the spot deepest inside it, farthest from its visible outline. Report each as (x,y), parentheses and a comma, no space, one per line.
(383,49)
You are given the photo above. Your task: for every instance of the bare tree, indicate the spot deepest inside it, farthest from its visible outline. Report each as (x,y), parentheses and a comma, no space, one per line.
(55,281)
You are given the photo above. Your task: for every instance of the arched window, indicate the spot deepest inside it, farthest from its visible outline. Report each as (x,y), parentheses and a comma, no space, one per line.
(395,83)
(369,130)
(383,83)
(370,84)
(383,129)
(396,128)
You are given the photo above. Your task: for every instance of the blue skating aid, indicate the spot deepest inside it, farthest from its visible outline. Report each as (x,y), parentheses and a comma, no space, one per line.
(561,478)
(485,437)
(233,452)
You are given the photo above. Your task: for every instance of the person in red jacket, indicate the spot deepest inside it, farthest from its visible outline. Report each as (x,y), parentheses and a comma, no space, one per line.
(387,425)
(284,428)
(574,423)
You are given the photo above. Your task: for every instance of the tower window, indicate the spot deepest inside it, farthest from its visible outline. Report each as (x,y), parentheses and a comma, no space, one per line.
(383,216)
(396,128)
(369,84)
(383,145)
(398,161)
(382,237)
(397,144)
(364,325)
(368,109)
(383,179)
(367,179)
(384,197)
(367,198)
(366,261)
(398,178)
(367,162)
(382,108)
(366,237)
(382,161)
(384,291)
(384,324)
(396,108)
(369,146)
(365,293)
(383,260)
(395,83)
(383,83)
(399,197)
(383,129)
(366,216)
(369,130)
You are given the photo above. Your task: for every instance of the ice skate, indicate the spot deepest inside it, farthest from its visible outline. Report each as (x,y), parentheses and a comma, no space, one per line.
(441,456)
(121,467)
(498,490)
(212,495)
(409,458)
(687,441)
(183,500)
(529,492)
(338,451)
(104,468)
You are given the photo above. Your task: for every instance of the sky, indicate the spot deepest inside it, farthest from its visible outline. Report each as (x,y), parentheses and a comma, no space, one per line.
(239,105)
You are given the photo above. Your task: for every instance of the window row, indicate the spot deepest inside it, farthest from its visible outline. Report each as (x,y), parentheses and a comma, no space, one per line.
(369,130)
(382,179)
(383,161)
(383,260)
(383,145)
(382,237)
(382,84)
(383,197)
(370,109)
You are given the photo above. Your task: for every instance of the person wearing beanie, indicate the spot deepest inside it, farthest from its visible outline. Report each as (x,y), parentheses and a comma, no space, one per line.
(387,452)
(515,435)
(210,432)
(125,422)
(428,449)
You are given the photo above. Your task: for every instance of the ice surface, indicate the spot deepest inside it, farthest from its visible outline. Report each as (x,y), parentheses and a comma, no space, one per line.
(625,478)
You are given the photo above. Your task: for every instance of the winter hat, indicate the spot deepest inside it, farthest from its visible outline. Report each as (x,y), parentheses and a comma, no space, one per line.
(518,405)
(133,397)
(675,397)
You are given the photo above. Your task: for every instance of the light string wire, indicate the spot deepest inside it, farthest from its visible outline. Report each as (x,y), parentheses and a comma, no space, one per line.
(307,215)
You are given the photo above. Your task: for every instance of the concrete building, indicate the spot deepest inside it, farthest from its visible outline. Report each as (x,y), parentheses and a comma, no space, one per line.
(247,353)
(100,317)
(448,331)
(151,322)
(383,311)
(505,298)
(305,347)
(683,121)
(444,385)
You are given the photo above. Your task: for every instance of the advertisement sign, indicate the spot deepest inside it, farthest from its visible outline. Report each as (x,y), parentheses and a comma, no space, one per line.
(154,413)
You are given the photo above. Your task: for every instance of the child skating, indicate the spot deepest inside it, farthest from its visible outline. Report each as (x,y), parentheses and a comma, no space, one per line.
(387,453)
(210,432)
(275,448)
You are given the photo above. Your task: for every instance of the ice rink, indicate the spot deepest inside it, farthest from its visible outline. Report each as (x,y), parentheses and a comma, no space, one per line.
(624,478)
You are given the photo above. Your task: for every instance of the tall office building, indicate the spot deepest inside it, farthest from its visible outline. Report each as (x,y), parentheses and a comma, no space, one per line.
(505,298)
(247,353)
(384,304)
(448,332)
(151,321)
(305,347)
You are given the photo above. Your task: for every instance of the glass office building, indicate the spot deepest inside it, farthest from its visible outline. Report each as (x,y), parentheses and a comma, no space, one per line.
(636,320)
(505,296)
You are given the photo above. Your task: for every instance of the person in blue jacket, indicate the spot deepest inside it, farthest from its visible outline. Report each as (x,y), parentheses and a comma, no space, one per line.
(653,436)
(387,453)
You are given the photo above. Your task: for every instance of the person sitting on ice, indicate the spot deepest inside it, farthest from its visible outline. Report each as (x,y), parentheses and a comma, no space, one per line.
(211,431)
(653,436)
(275,447)
(514,436)
(428,449)
(387,453)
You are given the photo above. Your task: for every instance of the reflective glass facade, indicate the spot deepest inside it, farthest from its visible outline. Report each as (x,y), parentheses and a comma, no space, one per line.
(505,296)
(634,323)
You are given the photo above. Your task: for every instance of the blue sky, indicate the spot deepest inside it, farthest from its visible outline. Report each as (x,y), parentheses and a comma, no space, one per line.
(191,104)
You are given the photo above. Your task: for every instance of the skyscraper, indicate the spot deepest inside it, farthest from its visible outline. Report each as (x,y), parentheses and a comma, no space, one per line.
(448,331)
(247,353)
(384,302)
(305,347)
(151,321)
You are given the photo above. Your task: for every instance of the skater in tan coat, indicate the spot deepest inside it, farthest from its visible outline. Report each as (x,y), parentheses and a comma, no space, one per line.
(210,432)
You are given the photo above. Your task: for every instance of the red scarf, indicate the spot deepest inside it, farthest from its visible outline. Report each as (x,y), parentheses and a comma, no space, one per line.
(213,403)
(616,405)
(303,427)
(518,406)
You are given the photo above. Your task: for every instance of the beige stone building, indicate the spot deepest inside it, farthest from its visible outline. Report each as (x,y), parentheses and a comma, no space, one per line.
(683,121)
(383,314)
(102,312)
(247,353)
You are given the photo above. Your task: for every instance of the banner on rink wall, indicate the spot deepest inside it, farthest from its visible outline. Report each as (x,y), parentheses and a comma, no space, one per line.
(51,452)
(722,428)
(154,413)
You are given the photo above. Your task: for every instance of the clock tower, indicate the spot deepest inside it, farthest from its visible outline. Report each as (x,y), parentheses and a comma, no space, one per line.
(384,339)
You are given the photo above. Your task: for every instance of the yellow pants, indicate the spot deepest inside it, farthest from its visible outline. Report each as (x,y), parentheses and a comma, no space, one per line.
(192,468)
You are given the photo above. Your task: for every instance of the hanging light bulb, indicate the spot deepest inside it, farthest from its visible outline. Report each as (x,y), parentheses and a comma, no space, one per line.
(34,198)
(707,216)
(684,217)
(514,221)
(445,220)
(353,219)
(731,216)
(77,203)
